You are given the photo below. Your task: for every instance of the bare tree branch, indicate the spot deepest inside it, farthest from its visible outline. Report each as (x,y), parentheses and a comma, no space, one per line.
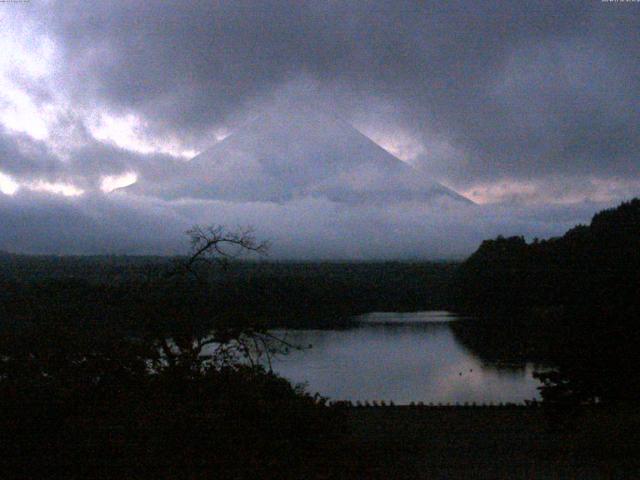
(216,244)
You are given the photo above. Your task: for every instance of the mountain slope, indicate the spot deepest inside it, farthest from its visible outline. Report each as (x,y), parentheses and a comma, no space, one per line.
(278,157)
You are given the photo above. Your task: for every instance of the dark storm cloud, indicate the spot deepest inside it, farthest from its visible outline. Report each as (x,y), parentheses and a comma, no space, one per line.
(524,102)
(84,164)
(22,156)
(520,89)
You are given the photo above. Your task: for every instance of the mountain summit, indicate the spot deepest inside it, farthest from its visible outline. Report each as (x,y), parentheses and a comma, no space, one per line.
(278,157)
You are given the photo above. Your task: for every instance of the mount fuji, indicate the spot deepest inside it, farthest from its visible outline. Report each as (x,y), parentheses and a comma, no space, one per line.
(282,156)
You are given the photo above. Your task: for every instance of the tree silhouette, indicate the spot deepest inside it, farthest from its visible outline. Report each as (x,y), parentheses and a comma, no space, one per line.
(156,395)
(582,290)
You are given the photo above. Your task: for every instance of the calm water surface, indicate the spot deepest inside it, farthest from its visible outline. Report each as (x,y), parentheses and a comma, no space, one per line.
(402,357)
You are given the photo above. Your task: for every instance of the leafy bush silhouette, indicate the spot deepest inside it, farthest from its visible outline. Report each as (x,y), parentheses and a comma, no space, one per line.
(151,395)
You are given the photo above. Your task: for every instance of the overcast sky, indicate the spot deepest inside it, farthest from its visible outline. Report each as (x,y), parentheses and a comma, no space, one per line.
(529,108)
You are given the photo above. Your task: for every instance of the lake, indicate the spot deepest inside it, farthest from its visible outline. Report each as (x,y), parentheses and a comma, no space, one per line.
(401,357)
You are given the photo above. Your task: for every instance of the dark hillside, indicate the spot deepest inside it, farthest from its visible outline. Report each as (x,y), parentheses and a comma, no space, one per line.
(574,300)
(598,265)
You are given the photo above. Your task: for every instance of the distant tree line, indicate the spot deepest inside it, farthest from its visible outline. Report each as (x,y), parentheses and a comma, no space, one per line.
(285,294)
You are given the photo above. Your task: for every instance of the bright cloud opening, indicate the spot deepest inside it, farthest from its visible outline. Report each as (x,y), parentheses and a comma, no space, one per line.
(25,55)
(110,183)
(554,191)
(398,144)
(7,185)
(127,132)
(65,189)
(501,191)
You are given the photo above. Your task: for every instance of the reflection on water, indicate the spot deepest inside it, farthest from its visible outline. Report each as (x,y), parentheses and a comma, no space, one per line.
(434,316)
(403,358)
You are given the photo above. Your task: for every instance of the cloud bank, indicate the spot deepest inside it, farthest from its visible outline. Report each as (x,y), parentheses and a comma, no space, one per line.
(310,228)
